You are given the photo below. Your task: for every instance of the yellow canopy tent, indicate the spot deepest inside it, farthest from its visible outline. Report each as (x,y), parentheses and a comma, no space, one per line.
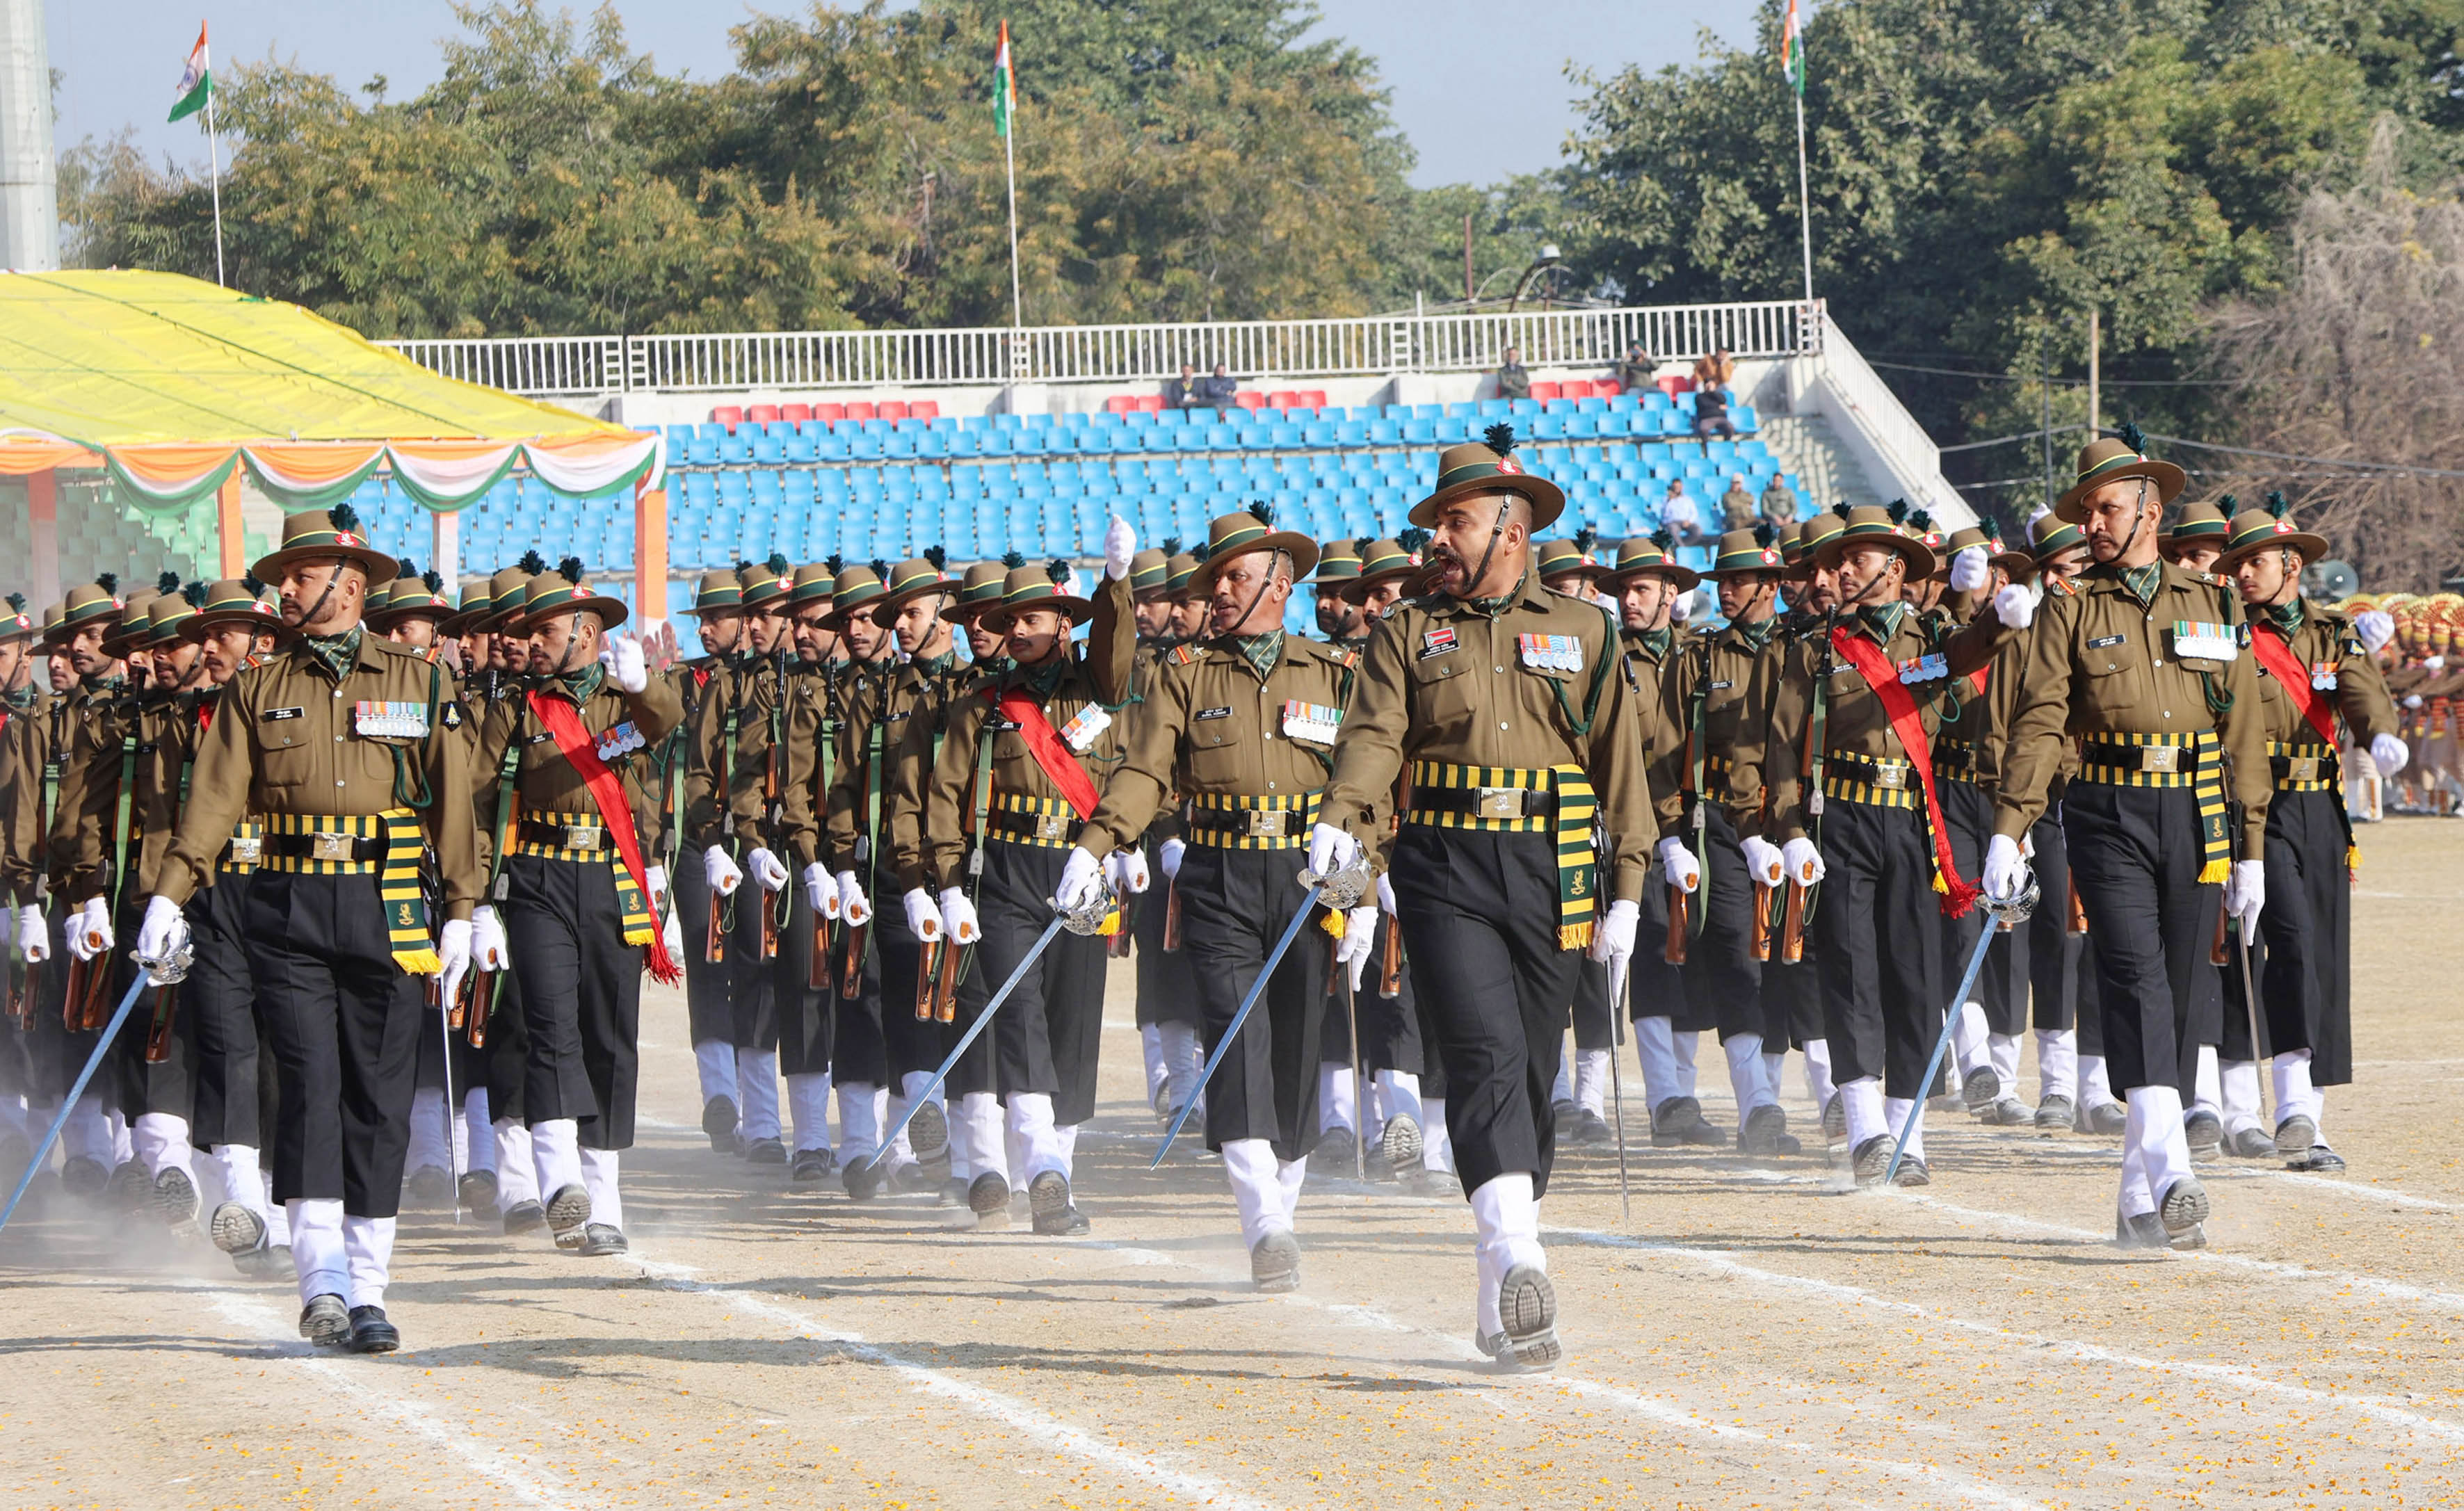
(172,385)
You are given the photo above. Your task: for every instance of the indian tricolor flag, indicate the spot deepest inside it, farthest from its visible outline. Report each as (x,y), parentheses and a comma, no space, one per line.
(196,81)
(1004,85)
(1792,49)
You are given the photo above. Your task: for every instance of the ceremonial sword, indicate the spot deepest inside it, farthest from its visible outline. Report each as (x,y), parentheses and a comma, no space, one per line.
(170,972)
(2013,908)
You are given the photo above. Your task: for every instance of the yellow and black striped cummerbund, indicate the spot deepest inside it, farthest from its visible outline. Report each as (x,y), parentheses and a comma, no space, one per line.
(1047,823)
(2305,767)
(1236,821)
(1879,781)
(563,836)
(329,845)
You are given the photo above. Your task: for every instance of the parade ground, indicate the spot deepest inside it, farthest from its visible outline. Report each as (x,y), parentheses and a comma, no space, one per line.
(1757,1335)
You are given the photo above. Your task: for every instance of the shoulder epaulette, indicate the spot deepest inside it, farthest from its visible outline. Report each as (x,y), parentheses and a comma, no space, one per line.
(1187,653)
(1349,659)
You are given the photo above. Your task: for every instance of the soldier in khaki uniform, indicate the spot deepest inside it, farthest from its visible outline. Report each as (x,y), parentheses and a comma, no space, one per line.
(1790,986)
(2198,534)
(1495,881)
(21,701)
(1014,784)
(1240,727)
(32,744)
(2314,672)
(718,605)
(1167,1011)
(570,911)
(335,745)
(2148,670)
(813,688)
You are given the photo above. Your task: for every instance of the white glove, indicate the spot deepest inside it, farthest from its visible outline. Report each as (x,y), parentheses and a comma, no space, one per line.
(1079,877)
(1168,855)
(1678,864)
(2005,867)
(853,905)
(821,891)
(489,947)
(34,936)
(1352,951)
(453,947)
(1331,849)
(1120,544)
(1969,569)
(1679,613)
(923,919)
(162,933)
(767,869)
(2376,627)
(2433,663)
(724,877)
(672,933)
(2245,894)
(657,877)
(1802,861)
(1386,894)
(959,917)
(621,655)
(1762,860)
(2413,700)
(2389,755)
(89,930)
(1134,875)
(2015,605)
(1613,937)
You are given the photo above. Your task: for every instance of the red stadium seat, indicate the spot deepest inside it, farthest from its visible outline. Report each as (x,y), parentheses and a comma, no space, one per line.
(892,409)
(1283,398)
(727,414)
(1313,398)
(861,410)
(763,413)
(1121,404)
(829,413)
(924,409)
(1672,384)
(1250,400)
(1547,390)
(794,413)
(1151,403)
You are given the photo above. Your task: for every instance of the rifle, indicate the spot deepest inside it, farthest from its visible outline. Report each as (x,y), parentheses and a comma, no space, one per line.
(1673,950)
(1390,954)
(1799,910)
(2075,922)
(957,958)
(774,804)
(1172,915)
(1759,943)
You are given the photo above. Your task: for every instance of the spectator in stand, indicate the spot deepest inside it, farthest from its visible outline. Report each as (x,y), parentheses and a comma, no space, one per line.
(1736,505)
(1182,392)
(1634,372)
(1219,388)
(1677,515)
(1512,382)
(1779,502)
(1711,415)
(1716,371)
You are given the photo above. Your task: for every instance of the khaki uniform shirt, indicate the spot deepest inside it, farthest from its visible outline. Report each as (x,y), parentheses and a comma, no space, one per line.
(1738,681)
(1212,725)
(285,741)
(1445,682)
(99,716)
(2101,663)
(2326,642)
(545,782)
(948,802)
(741,688)
(908,709)
(28,743)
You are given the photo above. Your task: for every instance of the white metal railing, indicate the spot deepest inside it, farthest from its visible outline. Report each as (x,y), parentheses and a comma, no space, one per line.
(1277,350)
(1887,425)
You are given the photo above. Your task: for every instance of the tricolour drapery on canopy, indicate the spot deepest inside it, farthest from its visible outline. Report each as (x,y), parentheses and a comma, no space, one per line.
(169,383)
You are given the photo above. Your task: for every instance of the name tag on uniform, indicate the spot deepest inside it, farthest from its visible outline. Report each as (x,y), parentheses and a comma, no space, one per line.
(1304,720)
(1090,721)
(2195,639)
(390,719)
(1437,642)
(1224,712)
(2323,676)
(270,715)
(1552,652)
(1924,668)
(620,739)
(2100,642)
(541,739)
(1717,686)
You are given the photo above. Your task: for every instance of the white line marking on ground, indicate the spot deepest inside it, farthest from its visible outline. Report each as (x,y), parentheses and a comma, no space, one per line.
(366,1382)
(2357,1190)
(2247,1379)
(1028,1421)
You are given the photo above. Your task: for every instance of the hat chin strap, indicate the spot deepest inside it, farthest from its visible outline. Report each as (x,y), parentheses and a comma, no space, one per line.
(1496,530)
(2138,522)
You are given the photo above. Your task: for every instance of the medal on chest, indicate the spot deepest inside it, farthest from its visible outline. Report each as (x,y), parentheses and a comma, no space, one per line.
(1552,652)
(390,719)
(1084,726)
(619,740)
(1304,720)
(1924,668)
(2206,641)
(2322,677)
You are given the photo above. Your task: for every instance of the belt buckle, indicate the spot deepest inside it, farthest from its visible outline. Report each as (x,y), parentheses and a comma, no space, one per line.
(1501,802)
(1051,826)
(1266,823)
(2160,758)
(330,846)
(1889,775)
(585,837)
(246,850)
(2301,768)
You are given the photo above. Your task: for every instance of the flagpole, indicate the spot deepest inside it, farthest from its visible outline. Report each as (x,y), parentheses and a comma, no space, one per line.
(214,162)
(1009,156)
(1804,205)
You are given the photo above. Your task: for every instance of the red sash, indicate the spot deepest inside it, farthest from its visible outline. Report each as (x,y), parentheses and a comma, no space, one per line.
(1044,743)
(2286,668)
(1901,705)
(607,789)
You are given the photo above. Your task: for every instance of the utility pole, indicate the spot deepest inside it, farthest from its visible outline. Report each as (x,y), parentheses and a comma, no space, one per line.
(1467,259)
(2094,353)
(2045,388)
(30,216)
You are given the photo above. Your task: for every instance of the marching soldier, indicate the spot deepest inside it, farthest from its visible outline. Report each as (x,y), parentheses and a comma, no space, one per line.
(710,985)
(1580,1096)
(569,911)
(333,744)
(2313,670)
(1853,790)
(1493,869)
(22,697)
(811,691)
(1790,987)
(1167,1010)
(2144,667)
(2198,534)
(1240,728)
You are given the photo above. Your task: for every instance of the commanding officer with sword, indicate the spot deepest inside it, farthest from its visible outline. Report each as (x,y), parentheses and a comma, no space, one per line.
(335,745)
(1503,701)
(1240,727)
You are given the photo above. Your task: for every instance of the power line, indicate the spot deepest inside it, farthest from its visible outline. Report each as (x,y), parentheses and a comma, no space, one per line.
(2390,469)
(2015,435)
(2058,383)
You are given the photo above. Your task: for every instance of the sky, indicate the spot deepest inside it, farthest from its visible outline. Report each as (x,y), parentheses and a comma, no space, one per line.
(1482,92)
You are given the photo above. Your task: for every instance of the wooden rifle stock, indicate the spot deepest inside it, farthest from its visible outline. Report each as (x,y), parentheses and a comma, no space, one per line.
(714,941)
(1171,917)
(2217,954)
(1760,942)
(2077,922)
(157,1037)
(483,997)
(24,991)
(1792,926)
(927,974)
(1674,950)
(852,970)
(1390,959)
(955,959)
(816,963)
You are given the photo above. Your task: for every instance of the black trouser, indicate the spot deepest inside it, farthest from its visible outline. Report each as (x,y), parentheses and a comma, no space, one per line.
(1390,1026)
(2136,853)
(1480,914)
(218,1010)
(55,1052)
(582,996)
(2044,964)
(879,1039)
(1880,922)
(1049,1032)
(2002,985)
(709,988)
(808,1015)
(1167,990)
(164,1086)
(342,1020)
(1660,989)
(508,1054)
(1424,1027)
(2302,960)
(438,1045)
(1721,970)
(1234,905)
